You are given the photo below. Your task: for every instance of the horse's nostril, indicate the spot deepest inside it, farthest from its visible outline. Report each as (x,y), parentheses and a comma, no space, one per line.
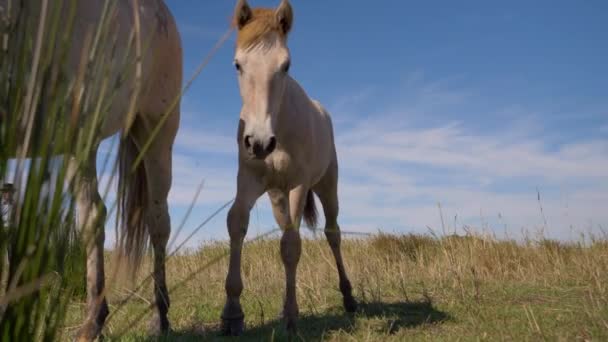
(258,150)
(247,141)
(272,144)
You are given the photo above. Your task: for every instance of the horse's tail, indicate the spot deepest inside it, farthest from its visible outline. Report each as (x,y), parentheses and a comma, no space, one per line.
(132,198)
(310,211)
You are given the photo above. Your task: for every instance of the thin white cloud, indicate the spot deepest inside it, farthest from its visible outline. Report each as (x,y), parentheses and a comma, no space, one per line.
(204,141)
(395,160)
(451,146)
(418,208)
(219,183)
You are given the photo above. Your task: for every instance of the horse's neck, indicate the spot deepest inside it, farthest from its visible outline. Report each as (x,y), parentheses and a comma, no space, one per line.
(296,111)
(295,99)
(288,109)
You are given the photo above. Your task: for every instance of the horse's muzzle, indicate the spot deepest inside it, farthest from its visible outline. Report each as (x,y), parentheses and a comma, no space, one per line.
(257,148)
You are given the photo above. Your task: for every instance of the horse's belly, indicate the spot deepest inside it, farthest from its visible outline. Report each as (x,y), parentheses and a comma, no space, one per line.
(114,120)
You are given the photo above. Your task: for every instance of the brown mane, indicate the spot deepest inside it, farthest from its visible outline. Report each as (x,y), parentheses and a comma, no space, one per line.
(262,23)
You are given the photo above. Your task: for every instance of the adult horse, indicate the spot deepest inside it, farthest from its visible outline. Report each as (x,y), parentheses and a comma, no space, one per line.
(286,148)
(149,87)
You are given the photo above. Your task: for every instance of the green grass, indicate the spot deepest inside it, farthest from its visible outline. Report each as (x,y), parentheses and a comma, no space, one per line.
(409,288)
(41,255)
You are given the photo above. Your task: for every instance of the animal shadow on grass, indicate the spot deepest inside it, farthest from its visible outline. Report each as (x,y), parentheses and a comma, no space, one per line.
(314,327)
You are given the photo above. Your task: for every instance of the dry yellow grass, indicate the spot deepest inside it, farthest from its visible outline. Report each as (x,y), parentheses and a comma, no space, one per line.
(409,287)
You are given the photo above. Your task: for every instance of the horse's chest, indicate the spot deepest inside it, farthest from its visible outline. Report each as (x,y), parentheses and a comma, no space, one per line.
(280,171)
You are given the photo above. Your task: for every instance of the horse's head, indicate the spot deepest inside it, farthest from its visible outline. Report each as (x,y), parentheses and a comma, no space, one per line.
(262,63)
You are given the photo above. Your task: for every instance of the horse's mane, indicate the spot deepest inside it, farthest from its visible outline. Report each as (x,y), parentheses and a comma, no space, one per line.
(262,23)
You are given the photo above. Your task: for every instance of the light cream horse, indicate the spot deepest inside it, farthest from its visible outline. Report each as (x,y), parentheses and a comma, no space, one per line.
(144,199)
(286,148)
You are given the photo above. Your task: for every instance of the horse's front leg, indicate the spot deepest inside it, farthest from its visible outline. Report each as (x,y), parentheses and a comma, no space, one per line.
(249,189)
(91,218)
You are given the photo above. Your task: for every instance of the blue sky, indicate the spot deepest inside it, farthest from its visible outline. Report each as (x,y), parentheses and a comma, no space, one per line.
(472,104)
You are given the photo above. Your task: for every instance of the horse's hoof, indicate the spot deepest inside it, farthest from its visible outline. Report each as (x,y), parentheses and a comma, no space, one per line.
(350,304)
(233,327)
(291,326)
(91,328)
(159,326)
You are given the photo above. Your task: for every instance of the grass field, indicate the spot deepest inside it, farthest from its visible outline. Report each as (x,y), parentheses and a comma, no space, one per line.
(409,288)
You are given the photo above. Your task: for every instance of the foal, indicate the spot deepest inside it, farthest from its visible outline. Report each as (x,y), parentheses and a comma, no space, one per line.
(286,148)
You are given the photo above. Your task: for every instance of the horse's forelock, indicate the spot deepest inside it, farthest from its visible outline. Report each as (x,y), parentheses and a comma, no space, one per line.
(262,23)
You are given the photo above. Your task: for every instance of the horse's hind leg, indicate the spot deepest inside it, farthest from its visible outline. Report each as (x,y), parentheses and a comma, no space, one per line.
(91,219)
(158,174)
(327,190)
(158,165)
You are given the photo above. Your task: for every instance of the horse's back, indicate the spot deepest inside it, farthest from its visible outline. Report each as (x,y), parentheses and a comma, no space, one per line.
(325,119)
(321,140)
(112,46)
(165,65)
(161,61)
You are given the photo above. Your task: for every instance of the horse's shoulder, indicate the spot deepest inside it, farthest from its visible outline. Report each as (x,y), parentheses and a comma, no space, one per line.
(321,111)
(319,107)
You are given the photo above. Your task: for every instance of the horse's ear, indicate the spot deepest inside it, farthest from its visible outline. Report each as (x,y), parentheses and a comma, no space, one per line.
(242,14)
(284,15)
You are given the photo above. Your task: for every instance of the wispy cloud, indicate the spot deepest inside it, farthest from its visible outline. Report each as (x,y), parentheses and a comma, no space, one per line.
(455,148)
(199,140)
(395,169)
(218,182)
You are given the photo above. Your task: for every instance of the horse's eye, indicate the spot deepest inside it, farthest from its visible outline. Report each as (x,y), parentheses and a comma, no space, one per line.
(237,66)
(286,67)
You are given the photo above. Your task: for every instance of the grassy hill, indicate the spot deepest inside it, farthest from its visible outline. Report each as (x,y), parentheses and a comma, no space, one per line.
(409,287)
